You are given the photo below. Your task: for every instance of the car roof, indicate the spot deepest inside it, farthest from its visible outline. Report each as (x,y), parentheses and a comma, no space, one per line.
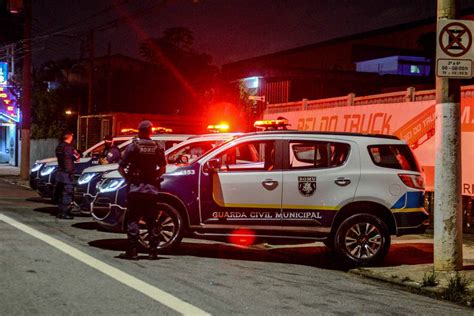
(216,135)
(316,133)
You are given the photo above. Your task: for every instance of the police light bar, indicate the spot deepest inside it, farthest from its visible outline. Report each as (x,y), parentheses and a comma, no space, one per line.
(223,127)
(268,125)
(162,130)
(129,131)
(156,130)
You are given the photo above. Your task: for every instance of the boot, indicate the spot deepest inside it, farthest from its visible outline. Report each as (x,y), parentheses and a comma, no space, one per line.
(66,215)
(130,254)
(153,253)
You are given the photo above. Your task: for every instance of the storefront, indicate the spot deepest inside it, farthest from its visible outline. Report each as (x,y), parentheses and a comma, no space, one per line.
(9,120)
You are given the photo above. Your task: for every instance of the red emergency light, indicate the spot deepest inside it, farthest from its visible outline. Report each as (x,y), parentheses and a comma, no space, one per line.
(279,124)
(219,128)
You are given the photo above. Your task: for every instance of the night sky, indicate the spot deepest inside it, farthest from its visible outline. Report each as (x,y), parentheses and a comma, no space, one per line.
(229,30)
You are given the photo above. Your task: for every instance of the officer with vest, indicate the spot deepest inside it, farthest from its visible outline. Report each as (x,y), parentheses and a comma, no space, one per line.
(66,155)
(111,153)
(142,165)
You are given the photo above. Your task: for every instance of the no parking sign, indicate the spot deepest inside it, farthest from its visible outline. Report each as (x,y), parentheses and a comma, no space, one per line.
(454,49)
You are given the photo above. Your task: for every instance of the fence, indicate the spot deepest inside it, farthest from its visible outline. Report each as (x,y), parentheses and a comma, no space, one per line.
(410,95)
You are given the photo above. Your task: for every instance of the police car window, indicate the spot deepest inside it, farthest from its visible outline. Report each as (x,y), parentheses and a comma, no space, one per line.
(257,155)
(191,152)
(307,154)
(393,156)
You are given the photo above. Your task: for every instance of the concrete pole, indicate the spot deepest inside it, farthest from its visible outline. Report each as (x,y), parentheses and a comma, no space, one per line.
(26,95)
(447,208)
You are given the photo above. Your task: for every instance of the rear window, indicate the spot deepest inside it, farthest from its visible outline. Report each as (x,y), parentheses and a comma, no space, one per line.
(317,154)
(393,156)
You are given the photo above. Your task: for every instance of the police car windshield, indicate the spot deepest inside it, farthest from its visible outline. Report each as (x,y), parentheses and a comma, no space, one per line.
(187,153)
(217,147)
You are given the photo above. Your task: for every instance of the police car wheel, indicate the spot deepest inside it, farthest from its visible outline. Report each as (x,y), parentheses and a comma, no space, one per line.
(362,239)
(169,223)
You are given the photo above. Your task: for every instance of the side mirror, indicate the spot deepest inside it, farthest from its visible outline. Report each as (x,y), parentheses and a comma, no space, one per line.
(213,165)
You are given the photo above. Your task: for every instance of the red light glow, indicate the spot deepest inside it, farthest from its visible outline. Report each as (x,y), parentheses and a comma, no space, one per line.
(243,237)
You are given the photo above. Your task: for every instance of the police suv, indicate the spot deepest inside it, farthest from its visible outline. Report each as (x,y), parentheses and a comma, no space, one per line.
(180,154)
(45,179)
(351,191)
(88,155)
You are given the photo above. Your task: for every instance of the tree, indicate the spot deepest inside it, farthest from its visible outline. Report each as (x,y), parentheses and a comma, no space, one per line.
(52,95)
(188,75)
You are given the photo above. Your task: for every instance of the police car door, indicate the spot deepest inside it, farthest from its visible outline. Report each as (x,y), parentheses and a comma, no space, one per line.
(319,176)
(247,187)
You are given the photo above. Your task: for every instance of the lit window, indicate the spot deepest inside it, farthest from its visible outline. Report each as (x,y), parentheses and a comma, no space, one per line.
(414,69)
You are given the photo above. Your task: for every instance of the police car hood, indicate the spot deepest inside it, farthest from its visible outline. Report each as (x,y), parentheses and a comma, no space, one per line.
(55,161)
(101,168)
(115,174)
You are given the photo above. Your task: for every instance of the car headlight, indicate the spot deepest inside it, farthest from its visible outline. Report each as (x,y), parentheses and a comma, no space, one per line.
(86,178)
(46,171)
(109,185)
(37,166)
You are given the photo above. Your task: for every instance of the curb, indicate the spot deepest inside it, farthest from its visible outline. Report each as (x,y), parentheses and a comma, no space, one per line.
(411,286)
(16,183)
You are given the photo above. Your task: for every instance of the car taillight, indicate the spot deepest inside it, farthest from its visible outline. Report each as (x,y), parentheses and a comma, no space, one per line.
(413,181)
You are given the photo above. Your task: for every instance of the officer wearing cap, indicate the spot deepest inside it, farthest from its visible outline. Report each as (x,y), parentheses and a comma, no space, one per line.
(142,165)
(111,153)
(66,155)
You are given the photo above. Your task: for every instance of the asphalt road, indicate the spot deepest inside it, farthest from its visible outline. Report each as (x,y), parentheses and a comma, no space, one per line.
(69,267)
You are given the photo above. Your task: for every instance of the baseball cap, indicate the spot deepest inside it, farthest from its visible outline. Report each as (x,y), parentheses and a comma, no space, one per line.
(145,125)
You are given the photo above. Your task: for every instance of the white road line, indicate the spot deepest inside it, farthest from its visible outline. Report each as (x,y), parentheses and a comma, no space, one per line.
(149,290)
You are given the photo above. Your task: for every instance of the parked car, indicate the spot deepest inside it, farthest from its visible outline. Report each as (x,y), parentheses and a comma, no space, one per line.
(180,154)
(46,176)
(87,155)
(351,191)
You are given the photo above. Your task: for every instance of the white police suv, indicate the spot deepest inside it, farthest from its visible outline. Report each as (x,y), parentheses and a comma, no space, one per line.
(351,191)
(180,154)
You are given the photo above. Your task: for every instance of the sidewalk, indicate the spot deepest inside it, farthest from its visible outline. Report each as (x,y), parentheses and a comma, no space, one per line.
(415,256)
(11,174)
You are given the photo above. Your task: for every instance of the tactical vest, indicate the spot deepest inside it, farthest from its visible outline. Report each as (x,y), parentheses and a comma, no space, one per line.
(145,161)
(64,153)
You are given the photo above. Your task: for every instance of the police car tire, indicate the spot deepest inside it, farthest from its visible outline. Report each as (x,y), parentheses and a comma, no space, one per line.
(177,237)
(351,222)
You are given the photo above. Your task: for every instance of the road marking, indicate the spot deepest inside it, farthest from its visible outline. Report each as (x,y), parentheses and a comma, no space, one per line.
(151,291)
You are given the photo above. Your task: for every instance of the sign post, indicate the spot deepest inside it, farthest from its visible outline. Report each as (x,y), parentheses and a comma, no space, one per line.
(453,61)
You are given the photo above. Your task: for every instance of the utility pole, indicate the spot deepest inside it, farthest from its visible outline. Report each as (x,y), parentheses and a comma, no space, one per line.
(90,102)
(26,94)
(447,208)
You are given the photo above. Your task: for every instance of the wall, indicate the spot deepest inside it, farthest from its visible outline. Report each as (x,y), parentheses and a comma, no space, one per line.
(42,148)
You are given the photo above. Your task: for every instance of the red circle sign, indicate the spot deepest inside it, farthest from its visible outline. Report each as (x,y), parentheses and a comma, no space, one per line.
(453,37)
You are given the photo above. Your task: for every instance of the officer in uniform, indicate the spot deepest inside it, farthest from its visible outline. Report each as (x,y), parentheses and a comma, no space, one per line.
(66,155)
(142,165)
(111,153)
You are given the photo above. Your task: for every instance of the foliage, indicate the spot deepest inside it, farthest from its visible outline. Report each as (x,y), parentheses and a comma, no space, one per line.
(457,287)
(430,279)
(49,104)
(188,76)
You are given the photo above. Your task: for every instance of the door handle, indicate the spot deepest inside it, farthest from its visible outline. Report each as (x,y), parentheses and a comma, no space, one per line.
(270,184)
(342,181)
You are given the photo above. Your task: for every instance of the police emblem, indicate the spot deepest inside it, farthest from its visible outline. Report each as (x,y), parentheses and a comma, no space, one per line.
(307,185)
